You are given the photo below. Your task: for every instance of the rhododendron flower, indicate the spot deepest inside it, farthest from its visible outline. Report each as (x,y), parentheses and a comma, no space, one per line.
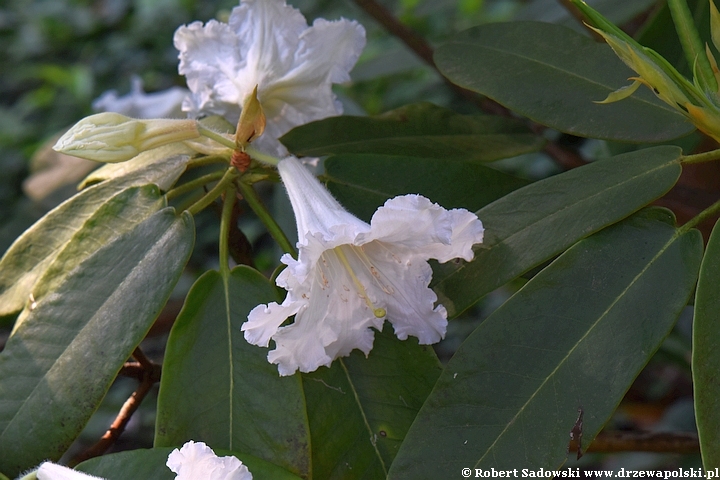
(197,461)
(138,104)
(268,44)
(350,275)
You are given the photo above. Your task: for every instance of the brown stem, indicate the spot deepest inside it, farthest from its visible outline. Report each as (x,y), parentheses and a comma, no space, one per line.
(563,156)
(659,442)
(148,373)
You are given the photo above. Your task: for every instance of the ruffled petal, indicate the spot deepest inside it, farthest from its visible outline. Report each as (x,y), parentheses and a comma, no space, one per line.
(264,321)
(410,220)
(197,461)
(467,230)
(138,104)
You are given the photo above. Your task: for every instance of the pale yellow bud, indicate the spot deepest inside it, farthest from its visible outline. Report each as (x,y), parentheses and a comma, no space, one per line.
(111,137)
(252,121)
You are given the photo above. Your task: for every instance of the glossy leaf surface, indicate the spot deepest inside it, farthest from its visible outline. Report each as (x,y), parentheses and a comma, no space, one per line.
(573,338)
(361,408)
(209,363)
(554,75)
(531,225)
(362,183)
(418,130)
(706,354)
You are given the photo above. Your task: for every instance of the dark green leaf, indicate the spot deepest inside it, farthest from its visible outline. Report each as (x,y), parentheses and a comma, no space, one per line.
(535,223)
(706,353)
(59,363)
(419,130)
(553,75)
(364,182)
(30,255)
(150,465)
(574,337)
(218,389)
(361,408)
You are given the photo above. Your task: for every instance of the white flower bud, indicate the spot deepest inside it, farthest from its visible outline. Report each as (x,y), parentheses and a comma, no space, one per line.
(111,137)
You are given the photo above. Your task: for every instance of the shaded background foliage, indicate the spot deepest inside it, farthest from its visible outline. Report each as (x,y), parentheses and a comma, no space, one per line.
(59,55)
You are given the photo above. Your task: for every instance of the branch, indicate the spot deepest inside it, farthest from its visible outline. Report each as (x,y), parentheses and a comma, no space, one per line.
(659,442)
(149,374)
(563,156)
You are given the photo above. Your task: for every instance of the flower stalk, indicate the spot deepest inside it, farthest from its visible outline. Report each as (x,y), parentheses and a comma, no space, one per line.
(229,177)
(252,199)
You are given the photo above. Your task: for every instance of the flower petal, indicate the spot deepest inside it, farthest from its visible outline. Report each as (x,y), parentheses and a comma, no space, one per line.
(264,321)
(197,461)
(52,471)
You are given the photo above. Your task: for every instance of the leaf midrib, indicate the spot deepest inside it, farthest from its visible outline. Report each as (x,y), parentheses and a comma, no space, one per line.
(564,360)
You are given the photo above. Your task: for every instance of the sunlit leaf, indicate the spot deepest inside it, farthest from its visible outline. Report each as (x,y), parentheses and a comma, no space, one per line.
(59,363)
(30,255)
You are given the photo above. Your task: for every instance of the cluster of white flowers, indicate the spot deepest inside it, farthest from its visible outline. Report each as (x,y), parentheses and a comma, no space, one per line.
(349,275)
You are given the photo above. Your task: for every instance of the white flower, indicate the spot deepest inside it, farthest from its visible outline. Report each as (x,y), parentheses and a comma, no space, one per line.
(138,104)
(197,461)
(349,275)
(52,471)
(269,44)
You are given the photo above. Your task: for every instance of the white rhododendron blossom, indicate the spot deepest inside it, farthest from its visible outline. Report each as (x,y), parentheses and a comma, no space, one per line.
(269,44)
(138,104)
(52,471)
(350,276)
(197,461)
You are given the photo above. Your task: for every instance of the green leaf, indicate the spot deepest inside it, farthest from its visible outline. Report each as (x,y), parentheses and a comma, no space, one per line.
(118,215)
(149,464)
(175,154)
(574,337)
(30,255)
(362,183)
(361,408)
(59,363)
(533,224)
(418,130)
(706,353)
(553,75)
(219,389)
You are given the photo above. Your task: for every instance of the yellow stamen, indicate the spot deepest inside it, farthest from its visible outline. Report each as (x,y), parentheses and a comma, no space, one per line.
(378,312)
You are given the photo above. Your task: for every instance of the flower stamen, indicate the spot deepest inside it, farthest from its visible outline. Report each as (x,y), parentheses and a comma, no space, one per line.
(378,312)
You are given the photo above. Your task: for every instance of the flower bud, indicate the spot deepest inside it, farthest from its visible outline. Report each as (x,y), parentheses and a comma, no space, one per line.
(252,121)
(111,137)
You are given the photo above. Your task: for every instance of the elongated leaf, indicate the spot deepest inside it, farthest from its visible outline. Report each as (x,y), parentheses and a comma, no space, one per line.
(535,223)
(149,160)
(30,255)
(360,409)
(553,75)
(150,465)
(572,339)
(119,214)
(364,182)
(419,130)
(59,363)
(219,389)
(706,354)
